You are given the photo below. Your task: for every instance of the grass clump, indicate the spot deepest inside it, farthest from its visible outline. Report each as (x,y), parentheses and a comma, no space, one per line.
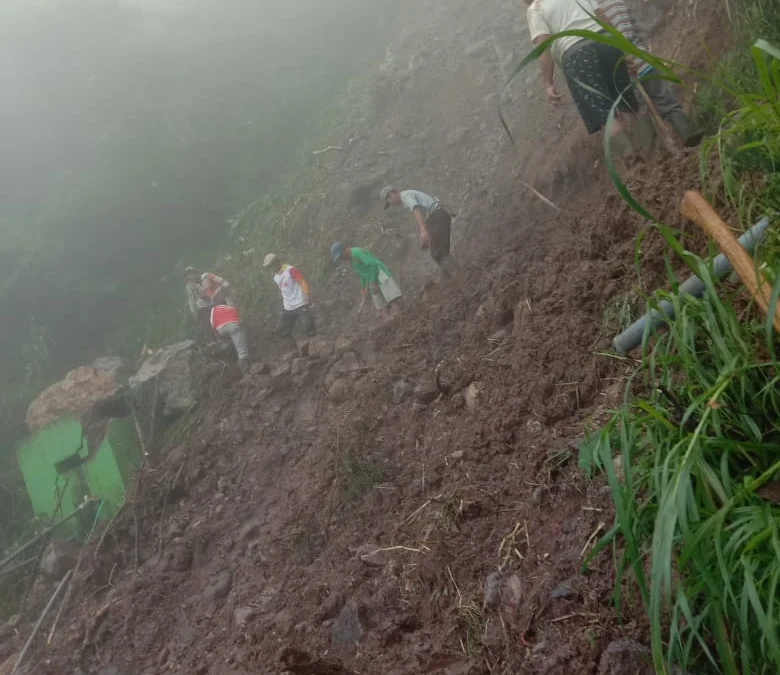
(699,435)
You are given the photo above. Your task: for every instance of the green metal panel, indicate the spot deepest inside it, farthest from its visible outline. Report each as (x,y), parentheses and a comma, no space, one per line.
(52,463)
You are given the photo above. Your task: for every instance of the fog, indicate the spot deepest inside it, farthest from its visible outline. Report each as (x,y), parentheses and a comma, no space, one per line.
(131,131)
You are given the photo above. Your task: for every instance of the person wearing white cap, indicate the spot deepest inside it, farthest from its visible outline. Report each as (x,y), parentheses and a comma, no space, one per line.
(432,218)
(197,303)
(296,296)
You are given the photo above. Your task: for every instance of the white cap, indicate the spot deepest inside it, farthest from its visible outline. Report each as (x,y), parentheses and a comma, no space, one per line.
(270,259)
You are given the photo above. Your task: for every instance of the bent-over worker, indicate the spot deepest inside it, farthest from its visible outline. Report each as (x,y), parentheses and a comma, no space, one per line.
(296,296)
(374,276)
(433,220)
(226,324)
(199,306)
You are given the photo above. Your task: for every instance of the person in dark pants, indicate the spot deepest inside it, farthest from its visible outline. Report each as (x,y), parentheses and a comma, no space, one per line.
(597,74)
(434,221)
(296,297)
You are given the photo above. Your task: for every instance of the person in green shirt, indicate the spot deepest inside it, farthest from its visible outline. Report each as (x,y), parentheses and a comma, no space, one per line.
(374,276)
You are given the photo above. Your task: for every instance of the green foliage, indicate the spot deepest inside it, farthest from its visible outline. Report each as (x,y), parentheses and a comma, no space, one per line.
(696,532)
(699,438)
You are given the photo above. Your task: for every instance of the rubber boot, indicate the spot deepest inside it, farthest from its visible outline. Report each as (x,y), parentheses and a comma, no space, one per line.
(682,128)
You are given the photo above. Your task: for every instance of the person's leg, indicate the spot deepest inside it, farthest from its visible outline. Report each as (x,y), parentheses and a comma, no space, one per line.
(596,77)
(287,323)
(238,337)
(307,321)
(670,109)
(439,227)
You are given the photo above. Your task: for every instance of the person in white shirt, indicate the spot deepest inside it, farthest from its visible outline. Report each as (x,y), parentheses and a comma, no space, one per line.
(434,221)
(296,296)
(597,74)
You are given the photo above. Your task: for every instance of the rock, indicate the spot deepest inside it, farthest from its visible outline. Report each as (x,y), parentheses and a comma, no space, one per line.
(372,555)
(219,586)
(347,364)
(471,396)
(499,336)
(626,657)
(259,369)
(280,370)
(77,395)
(426,390)
(249,530)
(169,370)
(342,342)
(243,615)
(457,455)
(300,366)
(401,390)
(561,592)
(340,390)
(512,592)
(347,629)
(178,557)
(58,558)
(492,591)
(320,348)
(113,365)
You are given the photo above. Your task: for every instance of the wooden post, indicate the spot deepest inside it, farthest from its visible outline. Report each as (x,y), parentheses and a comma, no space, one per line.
(696,208)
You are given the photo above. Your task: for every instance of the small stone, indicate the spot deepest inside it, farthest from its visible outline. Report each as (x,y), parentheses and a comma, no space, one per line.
(499,336)
(427,390)
(259,369)
(339,391)
(342,343)
(372,556)
(299,366)
(626,657)
(249,530)
(347,629)
(243,615)
(349,363)
(492,591)
(401,390)
(219,586)
(512,592)
(561,592)
(471,396)
(319,348)
(279,370)
(58,557)
(458,455)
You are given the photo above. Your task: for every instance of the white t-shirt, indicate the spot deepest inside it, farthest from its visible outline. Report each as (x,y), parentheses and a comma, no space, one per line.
(293,293)
(413,199)
(547,17)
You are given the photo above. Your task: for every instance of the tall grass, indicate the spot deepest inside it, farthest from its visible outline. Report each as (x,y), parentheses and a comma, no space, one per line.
(697,527)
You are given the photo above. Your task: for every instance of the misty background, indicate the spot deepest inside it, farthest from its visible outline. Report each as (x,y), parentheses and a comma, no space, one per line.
(132,130)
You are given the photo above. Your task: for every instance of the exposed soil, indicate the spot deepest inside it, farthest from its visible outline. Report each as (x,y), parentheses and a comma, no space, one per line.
(425,514)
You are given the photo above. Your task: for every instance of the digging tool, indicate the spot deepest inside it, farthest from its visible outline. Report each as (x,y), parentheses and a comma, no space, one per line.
(697,209)
(660,127)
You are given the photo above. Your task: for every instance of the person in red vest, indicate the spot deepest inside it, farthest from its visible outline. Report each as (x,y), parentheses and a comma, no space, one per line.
(226,324)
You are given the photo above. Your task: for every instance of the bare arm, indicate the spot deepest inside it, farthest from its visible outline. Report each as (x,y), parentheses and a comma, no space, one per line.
(547,66)
(425,237)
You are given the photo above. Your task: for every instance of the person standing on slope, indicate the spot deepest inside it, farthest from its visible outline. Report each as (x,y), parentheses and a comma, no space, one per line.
(432,218)
(597,74)
(374,276)
(617,15)
(226,324)
(215,289)
(296,296)
(199,306)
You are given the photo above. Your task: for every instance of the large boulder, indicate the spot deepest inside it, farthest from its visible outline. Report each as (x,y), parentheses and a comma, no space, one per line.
(77,395)
(169,371)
